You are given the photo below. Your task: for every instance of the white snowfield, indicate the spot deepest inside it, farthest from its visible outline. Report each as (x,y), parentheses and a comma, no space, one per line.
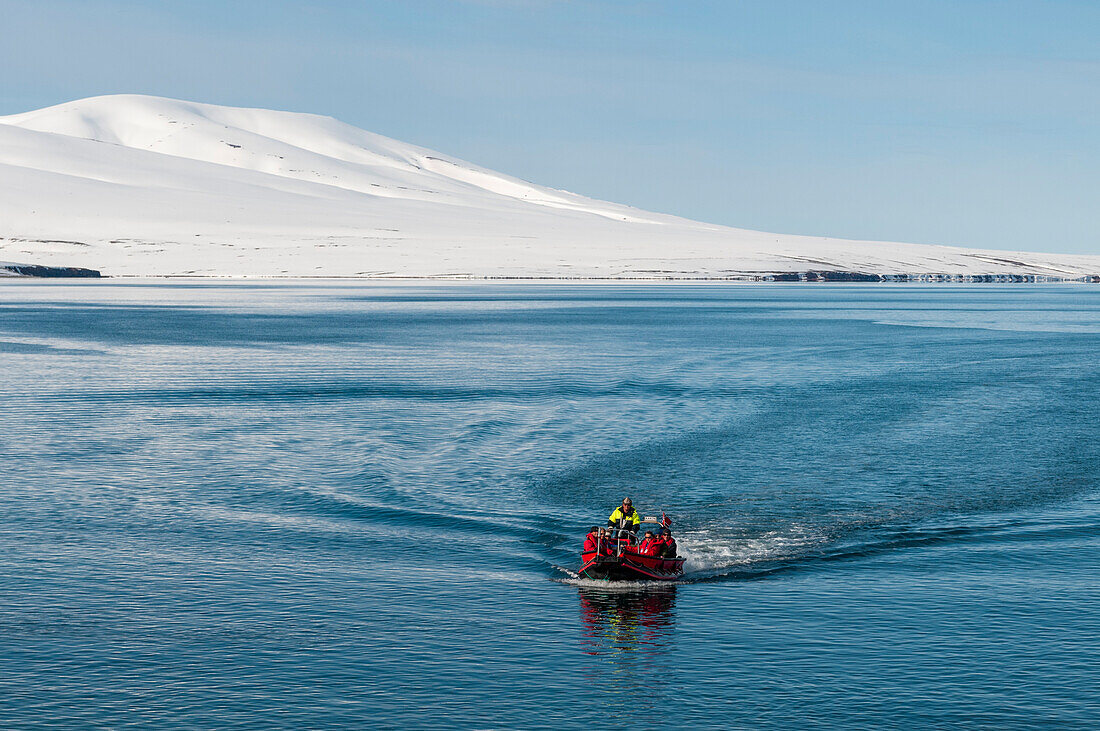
(145,186)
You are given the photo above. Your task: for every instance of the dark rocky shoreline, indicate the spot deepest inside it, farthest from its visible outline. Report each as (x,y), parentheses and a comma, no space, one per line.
(38,270)
(807,276)
(829,276)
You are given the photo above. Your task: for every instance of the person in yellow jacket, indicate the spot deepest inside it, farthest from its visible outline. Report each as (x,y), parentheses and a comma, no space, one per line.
(625,520)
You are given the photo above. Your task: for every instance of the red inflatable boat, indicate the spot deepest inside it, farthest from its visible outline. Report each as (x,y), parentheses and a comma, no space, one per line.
(616,560)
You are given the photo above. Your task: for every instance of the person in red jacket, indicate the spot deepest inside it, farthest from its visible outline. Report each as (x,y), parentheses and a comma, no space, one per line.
(649,545)
(667,544)
(607,546)
(592,540)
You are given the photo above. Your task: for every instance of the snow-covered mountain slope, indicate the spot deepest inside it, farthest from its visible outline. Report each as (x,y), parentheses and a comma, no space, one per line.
(136,185)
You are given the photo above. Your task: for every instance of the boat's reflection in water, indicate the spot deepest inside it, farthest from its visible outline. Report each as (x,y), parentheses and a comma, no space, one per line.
(627,635)
(629,624)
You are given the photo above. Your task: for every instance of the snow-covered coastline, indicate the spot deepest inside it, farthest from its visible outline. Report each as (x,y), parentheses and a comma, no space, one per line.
(145,186)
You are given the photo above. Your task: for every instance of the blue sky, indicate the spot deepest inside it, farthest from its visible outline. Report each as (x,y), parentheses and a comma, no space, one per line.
(965,122)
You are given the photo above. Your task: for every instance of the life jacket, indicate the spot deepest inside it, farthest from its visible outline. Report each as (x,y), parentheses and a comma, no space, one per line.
(589,543)
(643,548)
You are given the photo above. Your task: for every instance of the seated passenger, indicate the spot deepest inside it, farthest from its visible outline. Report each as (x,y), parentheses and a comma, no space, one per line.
(649,545)
(591,541)
(668,544)
(606,544)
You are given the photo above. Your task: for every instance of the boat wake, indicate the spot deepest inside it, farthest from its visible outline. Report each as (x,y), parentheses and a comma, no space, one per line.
(711,554)
(715,555)
(572,579)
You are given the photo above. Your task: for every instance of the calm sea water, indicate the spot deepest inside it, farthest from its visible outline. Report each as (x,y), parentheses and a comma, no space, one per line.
(348,505)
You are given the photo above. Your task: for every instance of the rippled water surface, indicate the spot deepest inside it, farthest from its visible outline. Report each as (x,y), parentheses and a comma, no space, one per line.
(347,505)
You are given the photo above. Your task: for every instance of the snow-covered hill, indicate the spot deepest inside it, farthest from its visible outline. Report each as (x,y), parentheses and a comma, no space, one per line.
(137,185)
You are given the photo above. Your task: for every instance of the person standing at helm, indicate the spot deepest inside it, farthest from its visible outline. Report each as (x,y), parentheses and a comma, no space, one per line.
(625,520)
